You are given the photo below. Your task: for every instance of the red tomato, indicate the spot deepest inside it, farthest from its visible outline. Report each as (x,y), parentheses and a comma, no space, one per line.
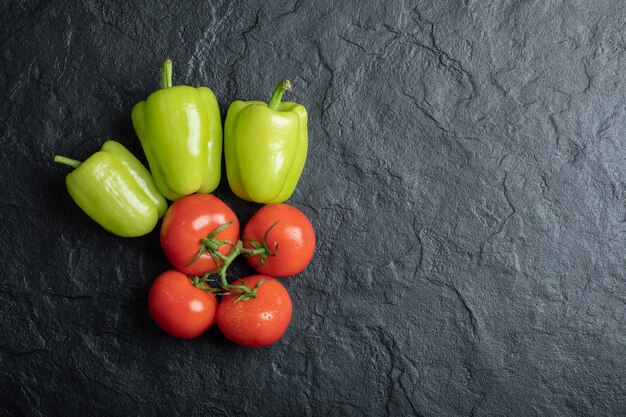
(294,234)
(259,321)
(187,222)
(179,308)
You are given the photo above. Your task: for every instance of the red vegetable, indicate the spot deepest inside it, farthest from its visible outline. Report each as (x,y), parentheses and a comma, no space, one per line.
(187,228)
(288,236)
(179,308)
(259,321)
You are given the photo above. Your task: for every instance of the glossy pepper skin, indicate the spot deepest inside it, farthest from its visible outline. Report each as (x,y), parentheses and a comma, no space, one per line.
(180,130)
(265,147)
(115,190)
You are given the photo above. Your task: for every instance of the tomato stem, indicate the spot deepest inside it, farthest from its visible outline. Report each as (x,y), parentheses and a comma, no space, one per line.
(227,260)
(211,246)
(252,252)
(246,293)
(260,248)
(201,283)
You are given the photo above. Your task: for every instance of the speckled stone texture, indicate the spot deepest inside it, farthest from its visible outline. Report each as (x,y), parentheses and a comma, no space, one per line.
(466,178)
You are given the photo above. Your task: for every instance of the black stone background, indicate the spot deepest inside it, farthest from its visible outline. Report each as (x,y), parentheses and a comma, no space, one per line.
(466,178)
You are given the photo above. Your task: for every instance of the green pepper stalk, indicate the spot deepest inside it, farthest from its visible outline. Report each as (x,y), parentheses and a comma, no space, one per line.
(277,95)
(180,130)
(265,147)
(115,190)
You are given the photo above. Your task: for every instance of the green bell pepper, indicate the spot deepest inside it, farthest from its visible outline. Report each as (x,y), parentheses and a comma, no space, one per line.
(115,190)
(180,130)
(265,146)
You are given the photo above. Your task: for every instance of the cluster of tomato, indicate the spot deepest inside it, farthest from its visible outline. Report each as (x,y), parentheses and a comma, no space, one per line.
(200,237)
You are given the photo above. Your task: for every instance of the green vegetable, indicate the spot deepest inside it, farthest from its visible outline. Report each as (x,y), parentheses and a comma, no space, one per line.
(180,130)
(265,147)
(115,190)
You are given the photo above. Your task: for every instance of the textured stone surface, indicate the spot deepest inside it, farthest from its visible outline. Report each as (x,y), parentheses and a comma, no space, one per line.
(466,178)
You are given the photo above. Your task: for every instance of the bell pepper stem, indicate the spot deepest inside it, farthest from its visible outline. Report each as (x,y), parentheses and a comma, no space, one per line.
(59,159)
(166,74)
(277,95)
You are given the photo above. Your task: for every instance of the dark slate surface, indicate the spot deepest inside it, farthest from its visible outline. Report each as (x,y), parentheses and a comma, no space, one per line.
(466,179)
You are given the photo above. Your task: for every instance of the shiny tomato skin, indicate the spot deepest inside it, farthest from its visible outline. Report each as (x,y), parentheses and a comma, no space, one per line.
(257,322)
(179,308)
(187,222)
(294,234)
